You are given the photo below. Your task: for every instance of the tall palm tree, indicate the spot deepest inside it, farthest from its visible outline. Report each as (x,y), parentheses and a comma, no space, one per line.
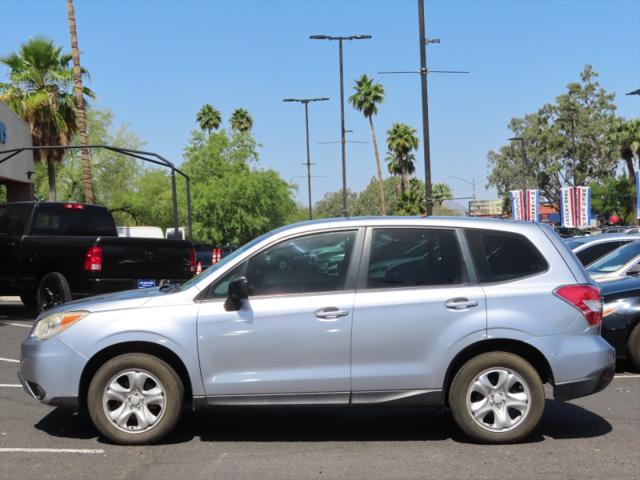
(241,120)
(626,136)
(366,99)
(87,182)
(39,92)
(209,118)
(401,141)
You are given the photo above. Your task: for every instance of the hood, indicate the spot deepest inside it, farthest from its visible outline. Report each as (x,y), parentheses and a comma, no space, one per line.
(110,301)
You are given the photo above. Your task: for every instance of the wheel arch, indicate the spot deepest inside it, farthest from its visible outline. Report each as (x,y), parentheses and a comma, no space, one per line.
(149,348)
(516,347)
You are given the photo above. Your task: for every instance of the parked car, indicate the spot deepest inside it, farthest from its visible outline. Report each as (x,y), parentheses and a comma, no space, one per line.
(589,249)
(621,322)
(53,252)
(140,232)
(480,315)
(617,264)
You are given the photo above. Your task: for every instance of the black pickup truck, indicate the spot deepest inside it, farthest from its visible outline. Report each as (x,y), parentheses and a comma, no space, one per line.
(53,252)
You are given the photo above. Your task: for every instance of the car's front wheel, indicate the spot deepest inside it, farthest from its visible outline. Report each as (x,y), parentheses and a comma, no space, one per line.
(497,397)
(135,399)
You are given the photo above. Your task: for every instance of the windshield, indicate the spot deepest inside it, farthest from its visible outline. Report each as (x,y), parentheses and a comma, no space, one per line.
(216,266)
(574,243)
(616,259)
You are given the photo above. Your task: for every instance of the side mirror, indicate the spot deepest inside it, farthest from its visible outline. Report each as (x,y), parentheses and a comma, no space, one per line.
(238,291)
(635,270)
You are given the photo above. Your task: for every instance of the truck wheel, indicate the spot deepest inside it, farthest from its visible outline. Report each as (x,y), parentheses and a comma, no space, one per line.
(29,301)
(633,347)
(497,397)
(53,290)
(135,399)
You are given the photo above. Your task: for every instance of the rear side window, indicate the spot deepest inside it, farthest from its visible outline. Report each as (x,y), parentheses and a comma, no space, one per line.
(57,220)
(594,252)
(503,256)
(13,219)
(408,257)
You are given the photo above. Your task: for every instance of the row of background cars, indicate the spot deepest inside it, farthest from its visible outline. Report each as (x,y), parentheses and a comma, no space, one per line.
(613,260)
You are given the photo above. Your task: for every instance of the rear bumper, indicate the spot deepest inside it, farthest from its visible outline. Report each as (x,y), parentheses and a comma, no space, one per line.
(594,383)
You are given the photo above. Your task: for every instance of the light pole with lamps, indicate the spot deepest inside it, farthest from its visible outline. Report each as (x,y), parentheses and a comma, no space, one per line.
(306,101)
(340,39)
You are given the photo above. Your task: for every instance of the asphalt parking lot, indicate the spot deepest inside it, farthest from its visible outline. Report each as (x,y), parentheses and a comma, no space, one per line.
(593,437)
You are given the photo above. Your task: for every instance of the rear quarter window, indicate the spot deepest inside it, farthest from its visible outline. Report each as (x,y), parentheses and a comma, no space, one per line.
(57,220)
(504,256)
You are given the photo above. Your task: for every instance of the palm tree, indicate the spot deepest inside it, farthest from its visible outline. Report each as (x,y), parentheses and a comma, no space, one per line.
(441,192)
(401,140)
(626,136)
(39,92)
(209,118)
(366,99)
(241,120)
(87,182)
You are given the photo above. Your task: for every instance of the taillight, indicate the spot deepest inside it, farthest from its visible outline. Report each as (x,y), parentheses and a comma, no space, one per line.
(585,298)
(193,260)
(93,259)
(74,206)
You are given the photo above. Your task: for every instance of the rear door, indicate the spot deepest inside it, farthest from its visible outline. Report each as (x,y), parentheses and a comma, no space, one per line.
(416,304)
(13,222)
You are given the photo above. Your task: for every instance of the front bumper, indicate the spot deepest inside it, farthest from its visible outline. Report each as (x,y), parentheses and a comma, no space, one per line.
(594,383)
(50,371)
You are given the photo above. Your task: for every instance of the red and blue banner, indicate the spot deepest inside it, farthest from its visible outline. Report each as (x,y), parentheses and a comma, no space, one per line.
(518,205)
(533,205)
(567,207)
(583,206)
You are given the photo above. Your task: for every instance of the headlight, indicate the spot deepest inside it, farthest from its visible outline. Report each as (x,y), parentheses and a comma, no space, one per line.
(55,323)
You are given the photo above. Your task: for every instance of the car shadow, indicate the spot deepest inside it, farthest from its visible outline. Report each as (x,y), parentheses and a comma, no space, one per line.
(330,424)
(16,311)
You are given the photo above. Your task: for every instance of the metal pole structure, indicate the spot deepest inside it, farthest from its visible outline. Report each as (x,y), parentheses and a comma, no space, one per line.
(175,201)
(306,101)
(425,111)
(189,225)
(345,210)
(306,124)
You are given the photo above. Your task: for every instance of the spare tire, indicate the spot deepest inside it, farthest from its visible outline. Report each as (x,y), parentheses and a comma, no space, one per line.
(53,290)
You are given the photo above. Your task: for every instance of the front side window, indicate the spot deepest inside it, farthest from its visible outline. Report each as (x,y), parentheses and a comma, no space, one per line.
(312,263)
(406,257)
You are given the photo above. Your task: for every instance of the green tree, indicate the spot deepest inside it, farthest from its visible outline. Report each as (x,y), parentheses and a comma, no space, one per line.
(368,95)
(625,136)
(441,192)
(612,196)
(330,206)
(209,118)
(40,93)
(241,120)
(368,200)
(401,141)
(566,143)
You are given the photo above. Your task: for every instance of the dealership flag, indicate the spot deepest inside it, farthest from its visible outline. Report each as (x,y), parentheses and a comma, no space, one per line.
(567,207)
(517,205)
(583,206)
(533,205)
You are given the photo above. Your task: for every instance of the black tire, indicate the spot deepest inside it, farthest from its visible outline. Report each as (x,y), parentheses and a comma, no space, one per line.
(29,301)
(530,386)
(633,347)
(53,290)
(167,416)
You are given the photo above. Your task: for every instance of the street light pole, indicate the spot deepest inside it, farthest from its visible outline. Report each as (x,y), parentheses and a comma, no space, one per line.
(473,187)
(343,131)
(306,101)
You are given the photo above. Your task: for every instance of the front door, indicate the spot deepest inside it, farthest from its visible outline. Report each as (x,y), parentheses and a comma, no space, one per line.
(291,338)
(415,305)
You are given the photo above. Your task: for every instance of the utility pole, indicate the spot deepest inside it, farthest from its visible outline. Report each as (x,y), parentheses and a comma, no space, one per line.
(425,111)
(87,181)
(306,101)
(340,39)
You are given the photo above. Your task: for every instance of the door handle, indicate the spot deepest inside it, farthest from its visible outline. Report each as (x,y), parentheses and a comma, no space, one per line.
(331,312)
(460,303)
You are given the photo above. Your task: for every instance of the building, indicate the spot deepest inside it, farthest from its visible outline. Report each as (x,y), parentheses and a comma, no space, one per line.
(486,208)
(16,174)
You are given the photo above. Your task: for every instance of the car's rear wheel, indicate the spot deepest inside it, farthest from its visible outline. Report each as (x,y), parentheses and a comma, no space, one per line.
(633,347)
(135,399)
(497,397)
(53,290)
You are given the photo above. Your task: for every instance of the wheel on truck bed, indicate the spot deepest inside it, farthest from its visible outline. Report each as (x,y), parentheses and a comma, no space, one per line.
(53,290)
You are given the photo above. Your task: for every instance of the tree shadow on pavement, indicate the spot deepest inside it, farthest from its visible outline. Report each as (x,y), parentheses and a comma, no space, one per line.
(330,424)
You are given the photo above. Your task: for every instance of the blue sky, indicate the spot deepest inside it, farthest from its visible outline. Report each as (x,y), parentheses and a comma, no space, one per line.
(154,63)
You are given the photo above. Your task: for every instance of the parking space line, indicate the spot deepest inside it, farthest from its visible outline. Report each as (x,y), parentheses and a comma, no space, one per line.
(10,385)
(627,376)
(16,324)
(10,360)
(50,450)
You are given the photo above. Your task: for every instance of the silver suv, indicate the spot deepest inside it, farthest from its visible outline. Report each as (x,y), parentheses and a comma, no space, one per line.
(473,314)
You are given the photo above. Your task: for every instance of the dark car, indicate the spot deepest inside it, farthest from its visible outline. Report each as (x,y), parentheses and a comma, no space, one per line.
(621,322)
(53,252)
